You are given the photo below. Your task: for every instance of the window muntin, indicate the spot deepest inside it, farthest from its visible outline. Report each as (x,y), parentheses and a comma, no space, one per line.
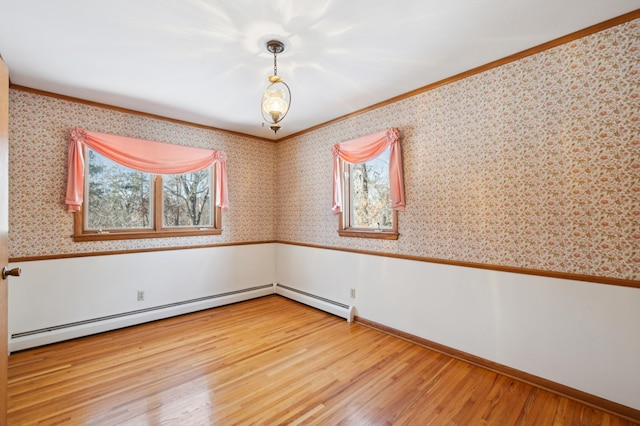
(368,210)
(122,203)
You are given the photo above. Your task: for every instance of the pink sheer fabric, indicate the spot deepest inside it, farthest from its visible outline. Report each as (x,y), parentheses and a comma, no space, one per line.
(364,149)
(143,155)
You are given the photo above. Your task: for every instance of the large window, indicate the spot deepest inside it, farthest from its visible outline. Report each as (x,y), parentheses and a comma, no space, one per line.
(123,203)
(367,210)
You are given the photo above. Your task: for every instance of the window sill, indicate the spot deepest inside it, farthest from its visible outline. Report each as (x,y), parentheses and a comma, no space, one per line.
(135,235)
(365,233)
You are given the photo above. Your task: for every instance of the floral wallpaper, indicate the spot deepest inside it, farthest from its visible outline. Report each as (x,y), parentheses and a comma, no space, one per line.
(534,164)
(38,138)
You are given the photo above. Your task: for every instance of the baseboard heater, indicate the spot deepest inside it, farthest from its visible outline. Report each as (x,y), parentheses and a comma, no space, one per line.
(57,333)
(336,308)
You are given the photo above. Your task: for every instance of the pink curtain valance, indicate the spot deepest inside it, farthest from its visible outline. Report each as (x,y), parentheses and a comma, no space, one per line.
(364,149)
(142,155)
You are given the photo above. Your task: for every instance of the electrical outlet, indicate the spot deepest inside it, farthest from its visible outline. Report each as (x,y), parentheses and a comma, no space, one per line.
(353,293)
(140,295)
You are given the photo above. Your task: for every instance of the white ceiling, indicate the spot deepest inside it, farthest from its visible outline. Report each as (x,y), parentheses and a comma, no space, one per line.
(205,61)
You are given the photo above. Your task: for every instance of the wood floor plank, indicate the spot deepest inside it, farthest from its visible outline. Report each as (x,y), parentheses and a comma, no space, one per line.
(268,361)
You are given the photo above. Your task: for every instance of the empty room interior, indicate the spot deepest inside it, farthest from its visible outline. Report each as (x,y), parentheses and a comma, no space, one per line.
(320,212)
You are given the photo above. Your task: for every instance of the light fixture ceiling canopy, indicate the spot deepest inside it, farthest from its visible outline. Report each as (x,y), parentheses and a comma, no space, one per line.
(275,46)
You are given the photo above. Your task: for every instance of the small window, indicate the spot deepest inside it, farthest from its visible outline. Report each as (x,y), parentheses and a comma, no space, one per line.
(122,203)
(367,210)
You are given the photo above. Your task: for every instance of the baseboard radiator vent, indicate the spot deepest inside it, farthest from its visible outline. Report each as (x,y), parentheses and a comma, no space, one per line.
(57,333)
(336,308)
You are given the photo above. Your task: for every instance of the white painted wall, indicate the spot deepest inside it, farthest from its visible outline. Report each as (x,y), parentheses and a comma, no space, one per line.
(582,335)
(62,291)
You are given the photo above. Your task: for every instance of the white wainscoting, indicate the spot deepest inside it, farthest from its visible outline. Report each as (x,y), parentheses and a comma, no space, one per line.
(60,299)
(582,335)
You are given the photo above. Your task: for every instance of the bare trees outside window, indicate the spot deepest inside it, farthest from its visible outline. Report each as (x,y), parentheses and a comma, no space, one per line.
(371,194)
(124,203)
(118,197)
(367,211)
(187,199)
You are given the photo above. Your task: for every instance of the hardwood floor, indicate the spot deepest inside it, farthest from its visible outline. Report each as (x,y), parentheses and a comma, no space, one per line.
(268,361)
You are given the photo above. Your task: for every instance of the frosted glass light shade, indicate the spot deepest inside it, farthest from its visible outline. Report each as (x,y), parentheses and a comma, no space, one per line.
(276,101)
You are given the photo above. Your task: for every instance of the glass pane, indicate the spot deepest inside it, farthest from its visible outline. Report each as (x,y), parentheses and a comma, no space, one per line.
(371,194)
(118,197)
(187,200)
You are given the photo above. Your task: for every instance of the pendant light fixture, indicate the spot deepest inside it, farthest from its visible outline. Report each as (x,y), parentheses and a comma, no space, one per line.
(277,97)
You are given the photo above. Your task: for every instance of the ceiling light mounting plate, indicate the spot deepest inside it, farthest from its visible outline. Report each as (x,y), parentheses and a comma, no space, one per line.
(275,46)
